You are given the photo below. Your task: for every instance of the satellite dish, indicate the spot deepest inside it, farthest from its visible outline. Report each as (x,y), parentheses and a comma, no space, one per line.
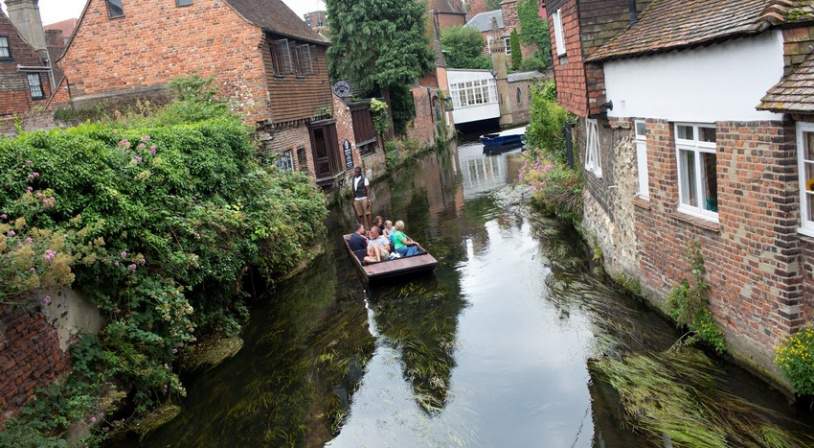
(342,89)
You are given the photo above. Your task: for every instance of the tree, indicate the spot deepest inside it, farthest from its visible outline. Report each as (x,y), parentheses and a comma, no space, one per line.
(378,44)
(517,51)
(463,48)
(534,31)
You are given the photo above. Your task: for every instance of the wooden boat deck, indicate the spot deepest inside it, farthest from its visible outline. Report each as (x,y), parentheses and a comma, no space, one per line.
(393,268)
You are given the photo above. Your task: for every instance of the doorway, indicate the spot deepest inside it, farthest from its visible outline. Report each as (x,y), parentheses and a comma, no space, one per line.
(325,151)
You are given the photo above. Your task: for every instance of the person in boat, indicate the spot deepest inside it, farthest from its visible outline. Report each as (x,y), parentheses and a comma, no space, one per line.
(361,201)
(402,244)
(378,247)
(387,229)
(358,243)
(378,221)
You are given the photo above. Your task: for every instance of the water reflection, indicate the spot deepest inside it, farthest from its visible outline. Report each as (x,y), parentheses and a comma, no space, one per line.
(491,351)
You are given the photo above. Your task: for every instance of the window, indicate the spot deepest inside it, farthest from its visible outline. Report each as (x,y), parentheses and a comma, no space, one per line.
(559,32)
(115,9)
(805,157)
(5,48)
(592,161)
(641,159)
(35,86)
(507,44)
(183,2)
(697,170)
(285,162)
(473,93)
(519,97)
(281,57)
(489,41)
(303,60)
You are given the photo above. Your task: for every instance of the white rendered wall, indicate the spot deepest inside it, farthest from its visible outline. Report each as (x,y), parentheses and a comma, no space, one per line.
(474,113)
(722,82)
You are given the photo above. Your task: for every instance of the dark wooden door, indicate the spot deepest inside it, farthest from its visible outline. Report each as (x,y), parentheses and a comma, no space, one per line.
(325,149)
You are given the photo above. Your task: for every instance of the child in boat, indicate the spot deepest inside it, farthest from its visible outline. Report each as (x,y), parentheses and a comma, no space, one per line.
(402,244)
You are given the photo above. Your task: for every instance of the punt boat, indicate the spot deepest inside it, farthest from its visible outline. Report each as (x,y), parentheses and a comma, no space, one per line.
(390,269)
(509,139)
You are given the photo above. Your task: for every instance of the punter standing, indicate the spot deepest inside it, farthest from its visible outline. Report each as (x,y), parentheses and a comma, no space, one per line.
(361,201)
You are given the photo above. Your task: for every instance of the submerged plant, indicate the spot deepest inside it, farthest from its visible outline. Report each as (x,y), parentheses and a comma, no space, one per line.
(675,394)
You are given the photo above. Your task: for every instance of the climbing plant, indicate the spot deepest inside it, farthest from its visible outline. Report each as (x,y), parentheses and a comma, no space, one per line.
(534,31)
(517,51)
(689,303)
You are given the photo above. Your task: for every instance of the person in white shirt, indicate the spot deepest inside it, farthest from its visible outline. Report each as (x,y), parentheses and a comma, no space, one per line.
(361,202)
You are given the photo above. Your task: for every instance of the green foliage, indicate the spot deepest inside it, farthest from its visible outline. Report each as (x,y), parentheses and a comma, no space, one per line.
(378,44)
(463,48)
(795,357)
(493,4)
(675,395)
(517,51)
(534,63)
(381,117)
(403,107)
(534,31)
(158,219)
(689,303)
(557,188)
(548,119)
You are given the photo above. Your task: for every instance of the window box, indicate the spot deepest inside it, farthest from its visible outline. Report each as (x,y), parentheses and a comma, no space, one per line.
(697,163)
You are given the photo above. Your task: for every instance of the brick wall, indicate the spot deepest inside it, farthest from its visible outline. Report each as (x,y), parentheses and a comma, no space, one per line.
(154,43)
(15,97)
(752,256)
(569,71)
(422,128)
(279,139)
(295,97)
(30,357)
(450,20)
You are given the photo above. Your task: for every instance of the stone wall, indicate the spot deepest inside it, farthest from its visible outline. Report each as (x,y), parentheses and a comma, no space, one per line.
(609,213)
(424,127)
(569,71)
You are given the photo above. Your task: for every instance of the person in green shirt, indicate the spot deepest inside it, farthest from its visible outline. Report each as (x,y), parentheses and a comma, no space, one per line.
(402,244)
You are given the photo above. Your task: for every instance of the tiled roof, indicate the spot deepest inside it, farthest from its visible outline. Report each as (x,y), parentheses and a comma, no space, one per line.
(66,26)
(794,93)
(446,6)
(276,17)
(483,21)
(672,24)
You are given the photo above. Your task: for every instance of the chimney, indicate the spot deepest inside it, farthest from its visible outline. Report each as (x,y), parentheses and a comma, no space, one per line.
(54,39)
(25,15)
(634,15)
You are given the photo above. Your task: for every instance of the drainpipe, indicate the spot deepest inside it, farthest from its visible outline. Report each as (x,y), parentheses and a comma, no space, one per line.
(634,16)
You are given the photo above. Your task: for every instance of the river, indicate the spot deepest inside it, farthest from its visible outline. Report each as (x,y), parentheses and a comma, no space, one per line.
(491,351)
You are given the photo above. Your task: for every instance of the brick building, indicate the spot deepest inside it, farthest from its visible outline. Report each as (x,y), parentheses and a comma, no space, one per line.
(266,61)
(317,20)
(25,73)
(677,150)
(447,13)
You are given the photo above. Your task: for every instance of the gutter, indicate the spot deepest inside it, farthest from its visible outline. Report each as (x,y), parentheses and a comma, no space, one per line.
(301,39)
(32,68)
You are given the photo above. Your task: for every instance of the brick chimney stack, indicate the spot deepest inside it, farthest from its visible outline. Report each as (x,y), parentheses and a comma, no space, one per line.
(25,15)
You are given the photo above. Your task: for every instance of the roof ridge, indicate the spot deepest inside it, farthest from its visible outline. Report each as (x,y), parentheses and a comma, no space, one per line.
(776,11)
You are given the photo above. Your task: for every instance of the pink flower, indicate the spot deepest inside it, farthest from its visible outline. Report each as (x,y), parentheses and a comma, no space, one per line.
(46,300)
(132,267)
(29,240)
(11,234)
(124,144)
(153,150)
(141,147)
(4,216)
(124,254)
(137,159)
(29,189)
(49,256)
(49,202)
(145,138)
(93,419)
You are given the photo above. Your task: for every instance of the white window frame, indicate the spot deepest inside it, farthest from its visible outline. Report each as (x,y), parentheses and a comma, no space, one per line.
(476,93)
(806,225)
(641,160)
(559,33)
(6,47)
(507,45)
(593,159)
(697,147)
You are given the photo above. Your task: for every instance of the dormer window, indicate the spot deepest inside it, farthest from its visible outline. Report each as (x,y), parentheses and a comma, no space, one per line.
(5,48)
(115,8)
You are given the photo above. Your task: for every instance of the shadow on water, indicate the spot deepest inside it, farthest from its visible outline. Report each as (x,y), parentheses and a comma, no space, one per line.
(493,350)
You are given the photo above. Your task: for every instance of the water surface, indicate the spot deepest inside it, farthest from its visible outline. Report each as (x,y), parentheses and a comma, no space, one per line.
(491,351)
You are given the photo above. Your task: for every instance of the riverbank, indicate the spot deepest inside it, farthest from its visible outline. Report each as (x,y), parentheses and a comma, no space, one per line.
(164,223)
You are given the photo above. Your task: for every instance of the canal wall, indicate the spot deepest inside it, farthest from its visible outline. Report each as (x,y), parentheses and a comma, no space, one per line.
(34,345)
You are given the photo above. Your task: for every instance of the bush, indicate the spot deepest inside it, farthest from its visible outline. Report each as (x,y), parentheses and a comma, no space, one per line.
(392,156)
(158,219)
(557,188)
(548,119)
(463,48)
(795,357)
